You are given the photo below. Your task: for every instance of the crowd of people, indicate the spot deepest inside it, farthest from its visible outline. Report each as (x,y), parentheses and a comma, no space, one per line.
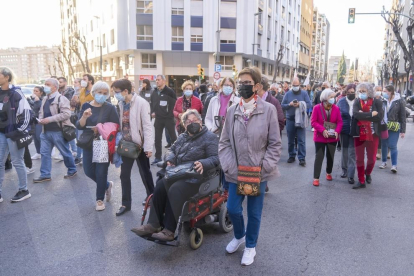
(235,125)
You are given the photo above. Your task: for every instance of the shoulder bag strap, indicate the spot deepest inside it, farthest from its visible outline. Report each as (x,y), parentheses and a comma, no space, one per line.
(322,111)
(234,142)
(60,123)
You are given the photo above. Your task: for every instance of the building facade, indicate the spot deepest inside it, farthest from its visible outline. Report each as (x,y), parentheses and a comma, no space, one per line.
(141,39)
(305,39)
(31,64)
(333,66)
(320,46)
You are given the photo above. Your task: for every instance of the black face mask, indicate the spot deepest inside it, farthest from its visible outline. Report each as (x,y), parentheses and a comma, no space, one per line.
(246,91)
(323,88)
(193,128)
(351,97)
(273,92)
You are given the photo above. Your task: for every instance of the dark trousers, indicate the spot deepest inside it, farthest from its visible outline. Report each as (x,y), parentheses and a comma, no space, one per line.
(27,158)
(167,137)
(159,126)
(168,201)
(319,156)
(98,172)
(146,177)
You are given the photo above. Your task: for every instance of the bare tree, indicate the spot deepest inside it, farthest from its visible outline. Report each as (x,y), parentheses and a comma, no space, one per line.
(279,58)
(67,57)
(393,18)
(84,62)
(74,47)
(60,64)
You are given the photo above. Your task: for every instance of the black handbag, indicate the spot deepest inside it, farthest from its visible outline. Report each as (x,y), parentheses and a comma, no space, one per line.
(128,149)
(85,140)
(69,132)
(186,170)
(22,139)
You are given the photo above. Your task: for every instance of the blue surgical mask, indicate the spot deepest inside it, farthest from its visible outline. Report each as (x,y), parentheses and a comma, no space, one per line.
(227,90)
(331,101)
(295,88)
(188,93)
(47,90)
(385,95)
(119,97)
(100,99)
(363,96)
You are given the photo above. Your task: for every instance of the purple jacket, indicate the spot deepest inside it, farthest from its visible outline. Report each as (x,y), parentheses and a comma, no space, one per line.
(317,123)
(280,115)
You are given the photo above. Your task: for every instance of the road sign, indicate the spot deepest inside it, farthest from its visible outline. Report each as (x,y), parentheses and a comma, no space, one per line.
(216,75)
(217,68)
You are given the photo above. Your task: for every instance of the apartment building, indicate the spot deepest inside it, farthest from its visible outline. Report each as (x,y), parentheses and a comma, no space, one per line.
(320,46)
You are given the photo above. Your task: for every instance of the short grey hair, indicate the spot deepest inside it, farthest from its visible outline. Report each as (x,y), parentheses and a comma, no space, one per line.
(328,85)
(274,85)
(7,72)
(368,87)
(189,112)
(53,81)
(378,86)
(99,85)
(326,93)
(161,76)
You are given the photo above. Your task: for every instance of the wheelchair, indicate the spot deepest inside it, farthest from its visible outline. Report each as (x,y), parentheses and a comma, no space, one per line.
(205,207)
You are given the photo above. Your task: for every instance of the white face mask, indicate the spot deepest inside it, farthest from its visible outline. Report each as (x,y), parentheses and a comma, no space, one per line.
(84,83)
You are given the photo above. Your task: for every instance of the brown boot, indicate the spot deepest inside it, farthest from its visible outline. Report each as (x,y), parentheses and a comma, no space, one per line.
(145,230)
(164,235)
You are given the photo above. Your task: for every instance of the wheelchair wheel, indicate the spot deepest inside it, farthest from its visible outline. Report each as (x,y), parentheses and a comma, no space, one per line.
(224,220)
(196,238)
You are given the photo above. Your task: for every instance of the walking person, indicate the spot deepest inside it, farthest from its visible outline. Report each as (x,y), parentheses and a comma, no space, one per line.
(367,117)
(296,102)
(185,102)
(93,113)
(37,98)
(162,105)
(135,126)
(255,119)
(266,96)
(327,121)
(395,120)
(146,90)
(54,114)
(348,162)
(15,117)
(64,90)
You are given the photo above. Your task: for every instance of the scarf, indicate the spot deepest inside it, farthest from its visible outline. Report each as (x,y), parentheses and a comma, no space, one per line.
(248,108)
(186,104)
(365,130)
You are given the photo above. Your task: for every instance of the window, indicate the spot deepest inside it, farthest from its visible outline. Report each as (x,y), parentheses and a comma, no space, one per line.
(177,7)
(91,26)
(290,15)
(149,61)
(104,40)
(282,34)
(92,48)
(283,12)
(263,68)
(268,45)
(197,35)
(228,9)
(112,37)
(259,41)
(177,34)
(256,63)
(228,36)
(196,8)
(260,13)
(144,32)
(227,62)
(144,6)
(270,69)
(288,38)
(276,5)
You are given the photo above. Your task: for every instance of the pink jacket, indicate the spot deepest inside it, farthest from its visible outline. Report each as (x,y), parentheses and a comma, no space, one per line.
(317,123)
(106,129)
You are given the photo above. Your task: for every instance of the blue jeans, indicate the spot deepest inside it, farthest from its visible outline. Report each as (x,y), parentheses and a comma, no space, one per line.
(292,132)
(6,146)
(224,183)
(254,214)
(348,162)
(79,151)
(38,131)
(98,172)
(73,147)
(390,143)
(49,140)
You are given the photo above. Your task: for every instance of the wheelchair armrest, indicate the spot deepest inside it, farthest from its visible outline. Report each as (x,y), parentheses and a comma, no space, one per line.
(162,164)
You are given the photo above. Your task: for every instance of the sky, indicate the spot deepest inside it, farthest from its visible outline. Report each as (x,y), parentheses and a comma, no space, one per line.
(37,24)
(365,38)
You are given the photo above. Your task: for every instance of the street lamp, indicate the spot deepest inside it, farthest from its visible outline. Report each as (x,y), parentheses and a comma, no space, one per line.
(254,37)
(100,44)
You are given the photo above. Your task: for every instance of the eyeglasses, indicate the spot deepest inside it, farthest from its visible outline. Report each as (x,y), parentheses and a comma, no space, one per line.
(362,91)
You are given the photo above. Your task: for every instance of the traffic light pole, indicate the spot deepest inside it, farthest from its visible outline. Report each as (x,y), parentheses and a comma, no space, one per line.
(366,13)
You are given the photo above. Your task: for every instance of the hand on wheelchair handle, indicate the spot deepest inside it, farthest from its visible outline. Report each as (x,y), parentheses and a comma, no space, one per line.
(170,164)
(198,167)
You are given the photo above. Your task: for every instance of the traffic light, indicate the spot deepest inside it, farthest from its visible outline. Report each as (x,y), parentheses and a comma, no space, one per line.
(199,69)
(351,15)
(202,73)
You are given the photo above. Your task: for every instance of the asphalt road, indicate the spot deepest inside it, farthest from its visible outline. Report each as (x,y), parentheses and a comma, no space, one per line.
(329,230)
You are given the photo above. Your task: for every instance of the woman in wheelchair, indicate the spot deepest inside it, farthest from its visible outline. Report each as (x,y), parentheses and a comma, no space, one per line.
(196,145)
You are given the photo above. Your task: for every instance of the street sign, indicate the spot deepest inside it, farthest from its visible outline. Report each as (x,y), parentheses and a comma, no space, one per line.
(217,67)
(216,75)
(411,78)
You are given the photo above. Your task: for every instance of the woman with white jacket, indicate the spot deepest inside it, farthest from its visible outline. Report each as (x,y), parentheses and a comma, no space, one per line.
(219,104)
(136,127)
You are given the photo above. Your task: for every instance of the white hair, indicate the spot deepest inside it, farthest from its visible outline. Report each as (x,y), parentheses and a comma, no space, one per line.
(161,76)
(7,72)
(53,82)
(326,94)
(328,85)
(274,85)
(368,87)
(188,113)
(99,85)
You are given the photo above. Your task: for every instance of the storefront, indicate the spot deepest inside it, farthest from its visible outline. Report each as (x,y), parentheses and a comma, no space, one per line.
(175,82)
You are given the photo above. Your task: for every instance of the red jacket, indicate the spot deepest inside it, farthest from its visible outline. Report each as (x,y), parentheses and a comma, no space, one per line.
(178,108)
(317,123)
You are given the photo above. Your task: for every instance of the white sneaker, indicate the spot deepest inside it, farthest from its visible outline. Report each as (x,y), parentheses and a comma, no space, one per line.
(74,154)
(235,244)
(394,169)
(100,206)
(383,166)
(1,199)
(313,129)
(248,256)
(36,156)
(30,171)
(108,193)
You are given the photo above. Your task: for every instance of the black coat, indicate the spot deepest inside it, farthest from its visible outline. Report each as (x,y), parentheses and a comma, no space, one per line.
(162,104)
(367,116)
(396,113)
(202,147)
